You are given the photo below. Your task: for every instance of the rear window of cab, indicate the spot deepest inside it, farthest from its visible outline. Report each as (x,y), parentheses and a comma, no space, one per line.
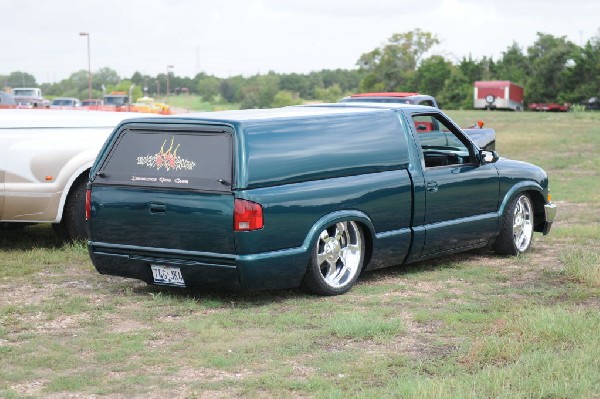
(171,159)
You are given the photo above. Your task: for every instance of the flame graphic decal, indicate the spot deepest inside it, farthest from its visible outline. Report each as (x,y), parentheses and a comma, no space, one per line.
(169,160)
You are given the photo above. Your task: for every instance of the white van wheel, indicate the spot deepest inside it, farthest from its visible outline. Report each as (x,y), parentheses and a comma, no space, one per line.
(337,259)
(73,226)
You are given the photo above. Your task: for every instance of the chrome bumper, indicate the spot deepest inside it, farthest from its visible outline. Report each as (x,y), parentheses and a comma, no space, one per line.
(550,215)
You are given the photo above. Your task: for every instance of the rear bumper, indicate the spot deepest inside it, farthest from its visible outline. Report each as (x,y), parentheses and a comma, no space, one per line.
(550,215)
(272,270)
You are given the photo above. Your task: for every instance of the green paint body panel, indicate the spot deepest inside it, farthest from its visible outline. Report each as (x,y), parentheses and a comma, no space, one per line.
(308,167)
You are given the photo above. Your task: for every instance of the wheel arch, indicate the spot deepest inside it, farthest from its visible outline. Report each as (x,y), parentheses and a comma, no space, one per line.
(535,192)
(339,216)
(81,172)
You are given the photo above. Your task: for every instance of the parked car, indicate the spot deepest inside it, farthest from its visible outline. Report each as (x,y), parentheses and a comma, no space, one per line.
(65,103)
(7,100)
(29,97)
(393,97)
(592,104)
(91,103)
(305,195)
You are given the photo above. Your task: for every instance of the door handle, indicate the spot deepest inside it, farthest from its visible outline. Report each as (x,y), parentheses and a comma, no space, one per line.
(432,186)
(157,208)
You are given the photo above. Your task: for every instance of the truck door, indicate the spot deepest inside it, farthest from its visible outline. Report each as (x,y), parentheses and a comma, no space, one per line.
(461,196)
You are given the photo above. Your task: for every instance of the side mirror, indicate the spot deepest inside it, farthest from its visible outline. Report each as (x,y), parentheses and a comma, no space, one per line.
(488,156)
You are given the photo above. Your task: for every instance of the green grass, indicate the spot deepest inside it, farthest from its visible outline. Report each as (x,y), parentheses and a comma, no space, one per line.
(191,103)
(582,264)
(473,325)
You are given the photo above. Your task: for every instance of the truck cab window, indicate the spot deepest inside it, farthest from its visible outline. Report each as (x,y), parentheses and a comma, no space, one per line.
(440,144)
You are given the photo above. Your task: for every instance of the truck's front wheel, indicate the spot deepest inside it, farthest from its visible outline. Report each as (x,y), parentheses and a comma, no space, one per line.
(337,259)
(517,227)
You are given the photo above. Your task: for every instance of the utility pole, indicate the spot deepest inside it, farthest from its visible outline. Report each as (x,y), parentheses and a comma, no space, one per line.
(89,64)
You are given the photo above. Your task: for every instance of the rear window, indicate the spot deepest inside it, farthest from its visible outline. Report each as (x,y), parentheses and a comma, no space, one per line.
(193,160)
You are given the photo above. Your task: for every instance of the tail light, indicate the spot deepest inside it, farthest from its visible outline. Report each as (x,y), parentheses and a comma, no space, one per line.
(88,204)
(247,215)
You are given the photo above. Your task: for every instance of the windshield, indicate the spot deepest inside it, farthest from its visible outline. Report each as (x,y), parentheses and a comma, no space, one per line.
(24,92)
(115,100)
(62,101)
(378,100)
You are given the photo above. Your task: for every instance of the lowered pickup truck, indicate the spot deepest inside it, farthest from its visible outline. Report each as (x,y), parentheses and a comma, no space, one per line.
(45,157)
(306,195)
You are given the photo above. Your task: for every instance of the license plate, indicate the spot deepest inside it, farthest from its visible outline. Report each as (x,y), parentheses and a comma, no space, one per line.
(167,275)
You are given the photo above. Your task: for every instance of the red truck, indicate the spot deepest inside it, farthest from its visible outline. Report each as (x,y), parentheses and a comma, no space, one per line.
(497,94)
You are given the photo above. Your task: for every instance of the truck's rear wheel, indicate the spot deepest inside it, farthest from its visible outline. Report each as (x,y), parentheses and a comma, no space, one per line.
(337,259)
(517,227)
(73,225)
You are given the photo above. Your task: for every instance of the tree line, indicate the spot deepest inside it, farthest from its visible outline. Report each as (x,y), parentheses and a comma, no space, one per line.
(552,69)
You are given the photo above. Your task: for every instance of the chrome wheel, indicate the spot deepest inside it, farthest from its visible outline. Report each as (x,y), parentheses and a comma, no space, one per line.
(337,259)
(516,232)
(522,223)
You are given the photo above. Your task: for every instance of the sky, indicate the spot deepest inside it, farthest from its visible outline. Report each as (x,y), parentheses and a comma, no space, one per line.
(247,37)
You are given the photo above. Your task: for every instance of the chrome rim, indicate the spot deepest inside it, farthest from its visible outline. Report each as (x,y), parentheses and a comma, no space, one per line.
(339,253)
(522,223)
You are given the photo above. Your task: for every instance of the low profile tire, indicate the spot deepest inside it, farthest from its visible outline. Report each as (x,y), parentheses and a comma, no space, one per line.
(517,227)
(337,259)
(73,225)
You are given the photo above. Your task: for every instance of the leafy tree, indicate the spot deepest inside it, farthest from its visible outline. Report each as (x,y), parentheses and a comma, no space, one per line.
(76,85)
(105,76)
(488,68)
(146,82)
(332,94)
(260,91)
(583,74)
(548,57)
(137,79)
(231,89)
(432,75)
(179,84)
(296,83)
(284,98)
(471,69)
(250,97)
(208,87)
(347,80)
(19,79)
(392,67)
(514,65)
(269,86)
(458,90)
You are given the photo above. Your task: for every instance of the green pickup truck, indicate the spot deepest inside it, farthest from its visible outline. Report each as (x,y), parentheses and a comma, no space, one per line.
(302,196)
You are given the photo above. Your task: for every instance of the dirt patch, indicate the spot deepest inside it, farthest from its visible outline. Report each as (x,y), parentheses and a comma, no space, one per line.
(30,388)
(421,340)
